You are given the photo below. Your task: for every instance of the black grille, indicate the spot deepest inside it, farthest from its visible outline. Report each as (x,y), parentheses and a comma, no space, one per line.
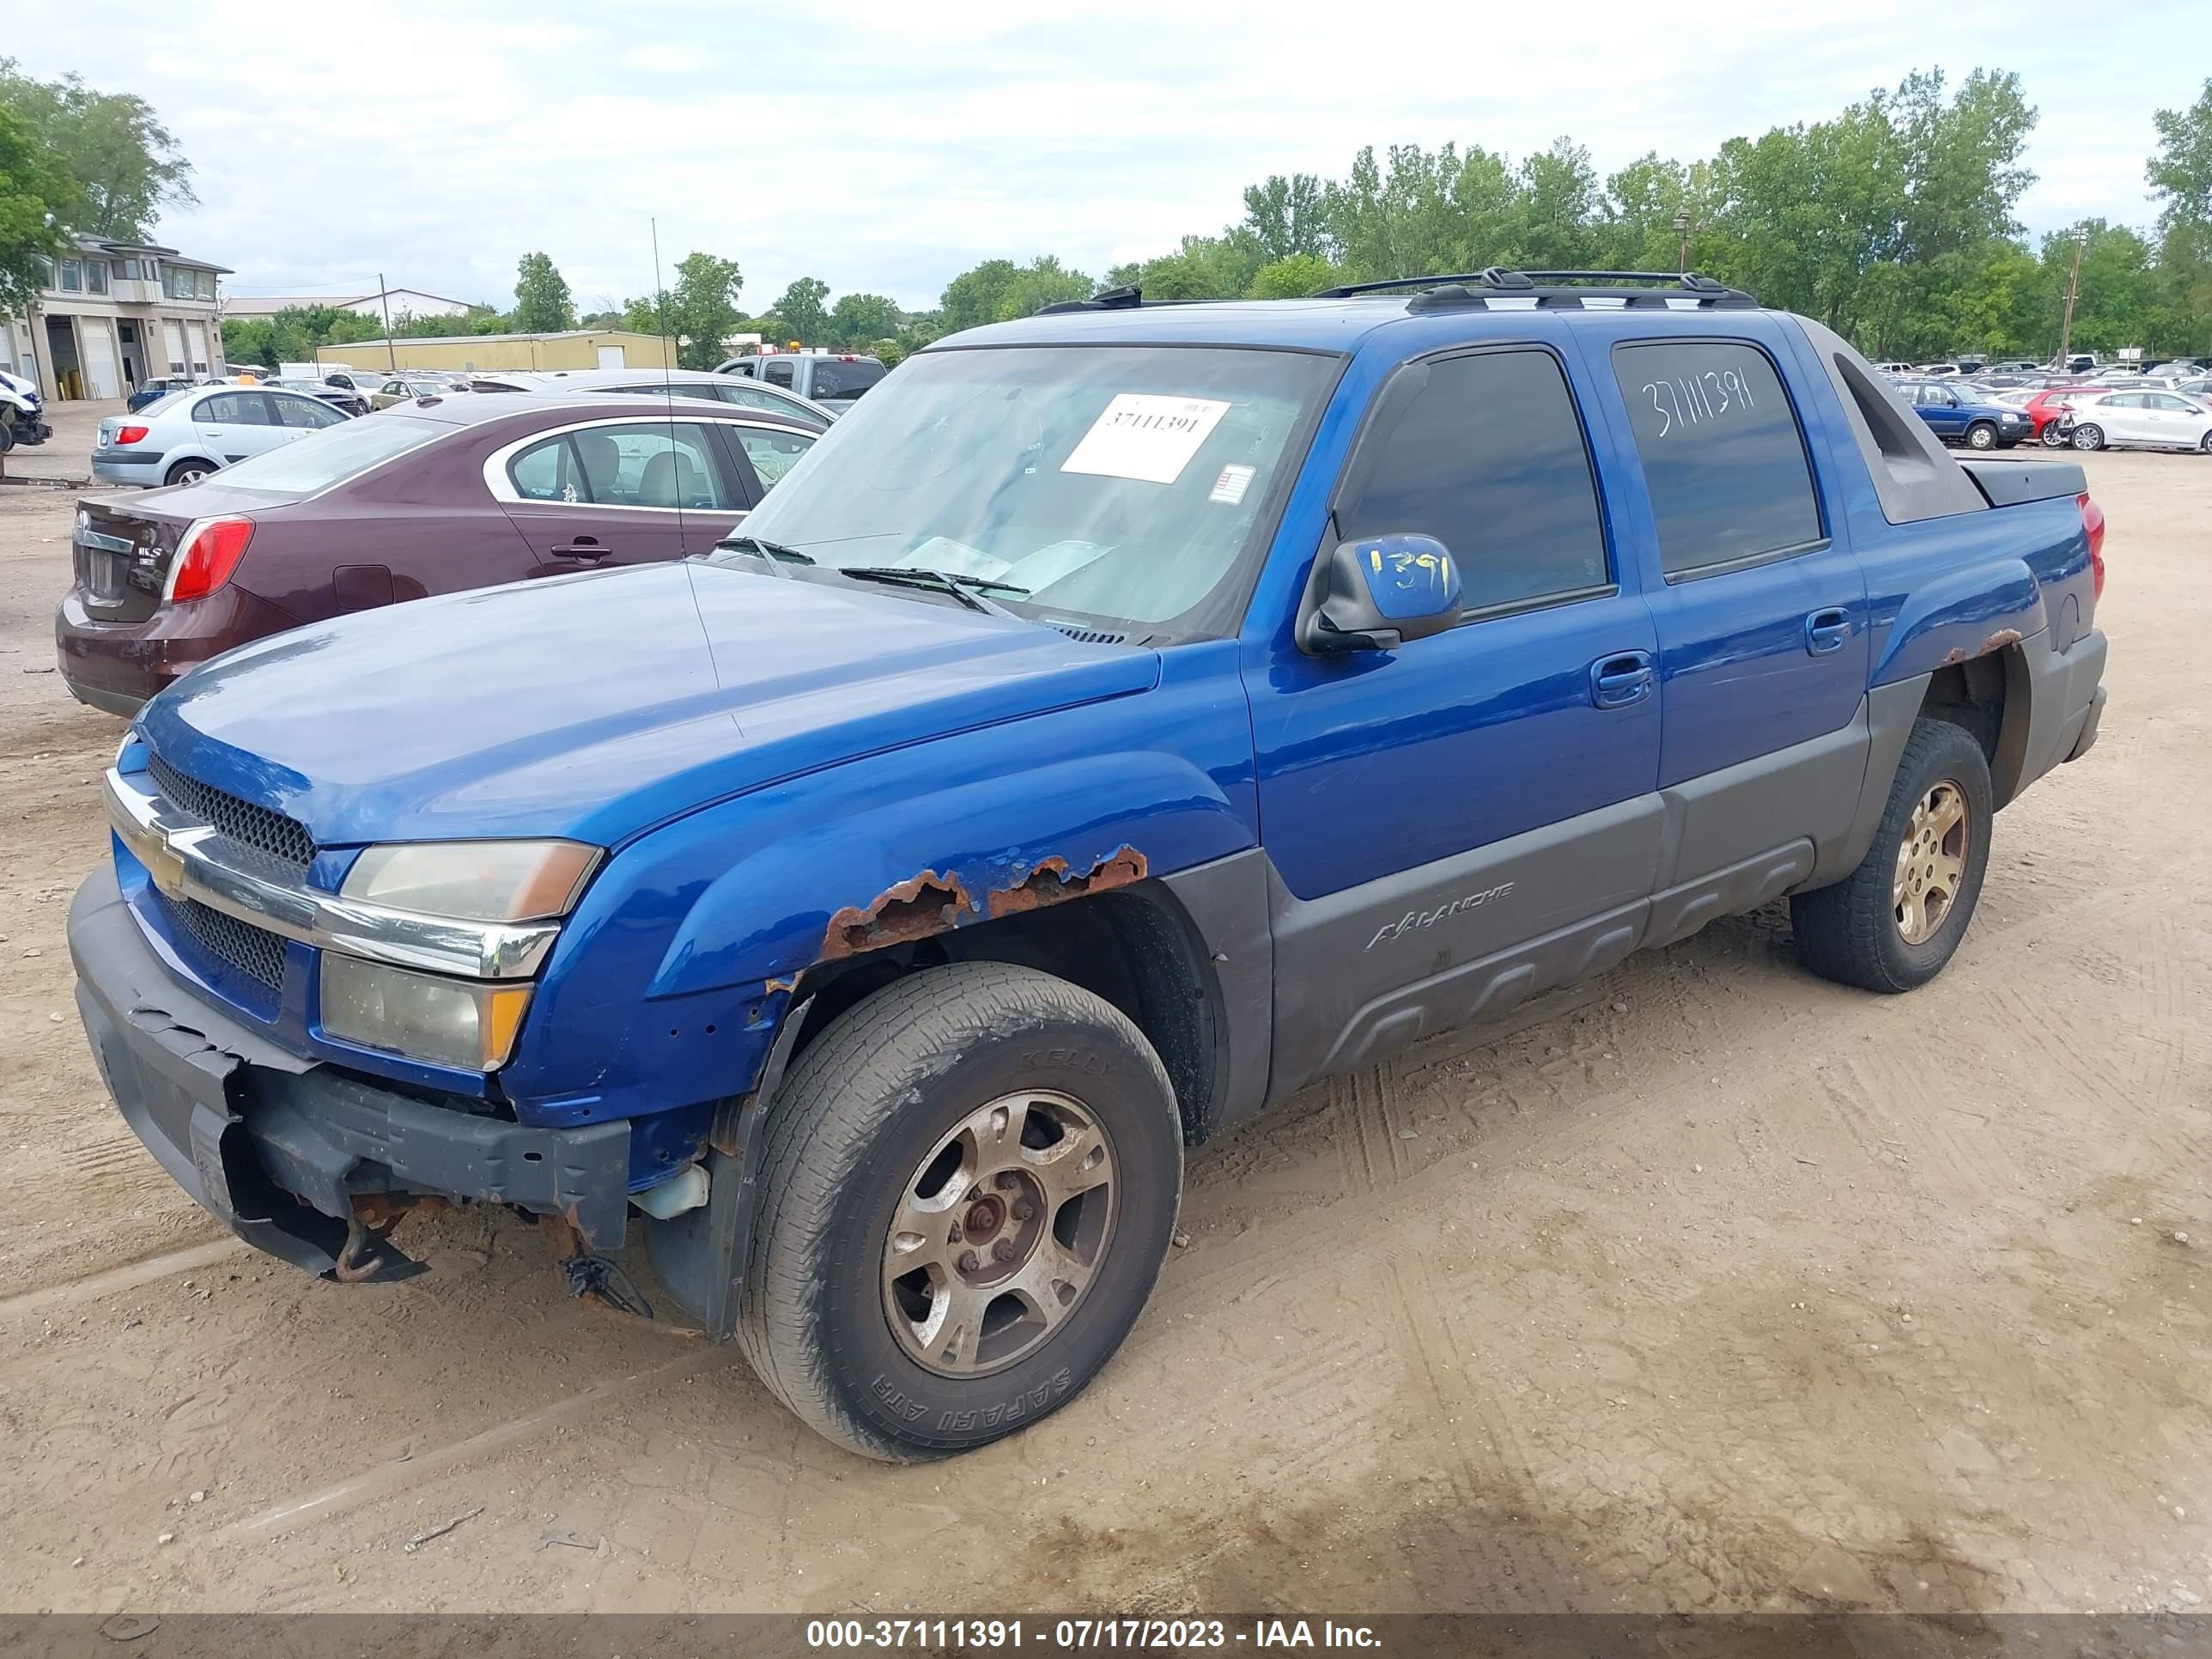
(254,951)
(257,827)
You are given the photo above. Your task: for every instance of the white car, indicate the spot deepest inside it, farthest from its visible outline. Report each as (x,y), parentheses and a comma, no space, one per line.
(2152,420)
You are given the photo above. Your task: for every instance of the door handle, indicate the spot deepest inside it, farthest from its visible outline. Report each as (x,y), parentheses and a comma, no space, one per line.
(1622,679)
(584,547)
(1826,631)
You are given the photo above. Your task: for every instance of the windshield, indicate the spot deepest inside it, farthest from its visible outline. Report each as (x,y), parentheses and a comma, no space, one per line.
(331,455)
(1116,481)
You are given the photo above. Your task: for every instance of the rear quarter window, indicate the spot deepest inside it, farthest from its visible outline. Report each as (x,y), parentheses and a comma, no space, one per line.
(1722,456)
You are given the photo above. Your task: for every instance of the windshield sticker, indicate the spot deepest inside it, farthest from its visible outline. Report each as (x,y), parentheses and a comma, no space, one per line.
(1229,489)
(1145,437)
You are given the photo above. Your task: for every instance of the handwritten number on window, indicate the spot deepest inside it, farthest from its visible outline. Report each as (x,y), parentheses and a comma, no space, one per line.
(1692,402)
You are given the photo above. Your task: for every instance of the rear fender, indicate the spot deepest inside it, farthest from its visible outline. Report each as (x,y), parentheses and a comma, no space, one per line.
(1961,615)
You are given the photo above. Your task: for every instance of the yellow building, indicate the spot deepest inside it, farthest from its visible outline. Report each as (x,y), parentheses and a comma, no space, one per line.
(582,347)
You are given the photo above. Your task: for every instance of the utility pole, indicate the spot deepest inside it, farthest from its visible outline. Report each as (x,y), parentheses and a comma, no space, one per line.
(2073,286)
(384,294)
(1682,232)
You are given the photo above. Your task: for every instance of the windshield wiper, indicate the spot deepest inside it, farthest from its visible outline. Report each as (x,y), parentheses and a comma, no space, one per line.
(943,581)
(774,554)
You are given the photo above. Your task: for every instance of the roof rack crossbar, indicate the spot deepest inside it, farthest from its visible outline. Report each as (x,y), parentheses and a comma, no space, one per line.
(1559,289)
(1128,298)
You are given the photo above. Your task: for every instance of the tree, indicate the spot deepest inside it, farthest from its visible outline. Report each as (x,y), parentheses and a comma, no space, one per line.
(1293,278)
(1287,215)
(120,165)
(802,309)
(542,303)
(2180,173)
(32,192)
(862,318)
(999,290)
(702,308)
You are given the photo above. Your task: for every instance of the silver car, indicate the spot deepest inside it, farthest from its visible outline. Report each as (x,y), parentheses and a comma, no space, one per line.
(655,382)
(185,436)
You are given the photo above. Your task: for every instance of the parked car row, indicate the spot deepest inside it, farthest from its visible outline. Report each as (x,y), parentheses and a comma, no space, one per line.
(445,494)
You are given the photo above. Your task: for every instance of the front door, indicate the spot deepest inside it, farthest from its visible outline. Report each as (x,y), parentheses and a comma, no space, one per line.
(1762,618)
(621,492)
(1471,818)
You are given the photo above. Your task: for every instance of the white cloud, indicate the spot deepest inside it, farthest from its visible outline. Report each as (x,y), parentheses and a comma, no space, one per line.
(886,147)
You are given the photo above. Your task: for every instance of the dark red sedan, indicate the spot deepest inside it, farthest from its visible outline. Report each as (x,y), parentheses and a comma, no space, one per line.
(428,497)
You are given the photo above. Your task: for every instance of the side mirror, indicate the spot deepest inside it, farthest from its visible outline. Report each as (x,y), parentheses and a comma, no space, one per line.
(1378,593)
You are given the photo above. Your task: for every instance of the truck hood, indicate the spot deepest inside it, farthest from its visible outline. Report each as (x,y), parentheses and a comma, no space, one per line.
(597,705)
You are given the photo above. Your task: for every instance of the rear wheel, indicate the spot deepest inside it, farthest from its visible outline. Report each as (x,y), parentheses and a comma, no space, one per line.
(1981,435)
(2088,437)
(2205,444)
(187,472)
(968,1185)
(2052,437)
(1893,922)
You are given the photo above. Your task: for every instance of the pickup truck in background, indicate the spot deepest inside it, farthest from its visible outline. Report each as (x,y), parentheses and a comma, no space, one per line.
(1129,716)
(832,380)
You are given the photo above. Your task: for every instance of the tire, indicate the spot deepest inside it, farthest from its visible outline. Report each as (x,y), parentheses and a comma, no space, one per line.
(7,434)
(2052,437)
(866,1116)
(1852,932)
(2088,437)
(1981,435)
(2205,444)
(186,472)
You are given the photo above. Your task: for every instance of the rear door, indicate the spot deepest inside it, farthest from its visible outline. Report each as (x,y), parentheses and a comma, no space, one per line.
(300,415)
(618,492)
(236,424)
(1761,614)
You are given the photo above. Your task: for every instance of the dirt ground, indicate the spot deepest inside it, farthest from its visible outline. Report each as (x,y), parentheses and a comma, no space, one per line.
(1706,1287)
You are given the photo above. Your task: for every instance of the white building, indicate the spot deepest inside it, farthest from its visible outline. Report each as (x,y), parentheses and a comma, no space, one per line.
(404,302)
(113,315)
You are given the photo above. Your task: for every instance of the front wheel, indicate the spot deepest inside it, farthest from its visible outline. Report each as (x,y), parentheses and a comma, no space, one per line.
(2205,444)
(1893,922)
(1981,435)
(968,1185)
(2088,437)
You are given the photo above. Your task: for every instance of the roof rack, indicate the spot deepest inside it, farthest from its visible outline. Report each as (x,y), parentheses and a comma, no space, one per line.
(1553,289)
(1128,298)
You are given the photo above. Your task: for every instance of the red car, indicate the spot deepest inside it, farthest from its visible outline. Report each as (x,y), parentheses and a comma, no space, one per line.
(2046,406)
(429,497)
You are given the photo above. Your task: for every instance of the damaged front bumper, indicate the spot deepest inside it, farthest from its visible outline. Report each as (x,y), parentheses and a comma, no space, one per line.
(290,1154)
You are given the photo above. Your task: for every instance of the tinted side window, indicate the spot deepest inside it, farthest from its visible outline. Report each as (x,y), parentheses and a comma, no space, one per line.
(233,408)
(845,379)
(663,464)
(772,454)
(778,373)
(548,472)
(1722,454)
(1488,458)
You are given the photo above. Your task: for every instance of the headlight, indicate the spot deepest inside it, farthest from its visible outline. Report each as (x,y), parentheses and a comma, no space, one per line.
(447,1021)
(474,880)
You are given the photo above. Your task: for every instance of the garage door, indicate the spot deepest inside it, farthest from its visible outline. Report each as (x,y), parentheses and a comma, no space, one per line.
(101,378)
(199,349)
(174,334)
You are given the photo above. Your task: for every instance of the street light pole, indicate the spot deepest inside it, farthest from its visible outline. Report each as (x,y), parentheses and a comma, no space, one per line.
(2080,237)
(1682,234)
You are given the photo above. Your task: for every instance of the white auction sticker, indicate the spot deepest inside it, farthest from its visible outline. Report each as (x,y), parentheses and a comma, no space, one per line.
(1146,437)
(1229,489)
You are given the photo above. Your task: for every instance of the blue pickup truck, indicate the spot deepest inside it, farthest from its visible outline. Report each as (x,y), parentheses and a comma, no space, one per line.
(1124,717)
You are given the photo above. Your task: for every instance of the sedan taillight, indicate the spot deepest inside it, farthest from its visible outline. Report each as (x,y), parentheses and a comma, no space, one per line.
(130,434)
(2093,526)
(211,550)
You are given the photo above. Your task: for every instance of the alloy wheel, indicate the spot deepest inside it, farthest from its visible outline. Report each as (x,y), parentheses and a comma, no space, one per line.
(1931,863)
(998,1233)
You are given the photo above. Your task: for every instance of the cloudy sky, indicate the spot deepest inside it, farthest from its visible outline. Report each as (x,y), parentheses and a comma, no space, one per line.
(885,147)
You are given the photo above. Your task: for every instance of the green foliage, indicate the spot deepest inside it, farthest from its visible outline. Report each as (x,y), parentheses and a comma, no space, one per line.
(118,166)
(32,194)
(1287,216)
(858,320)
(2180,173)
(542,302)
(292,334)
(803,312)
(1294,276)
(999,290)
(702,308)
